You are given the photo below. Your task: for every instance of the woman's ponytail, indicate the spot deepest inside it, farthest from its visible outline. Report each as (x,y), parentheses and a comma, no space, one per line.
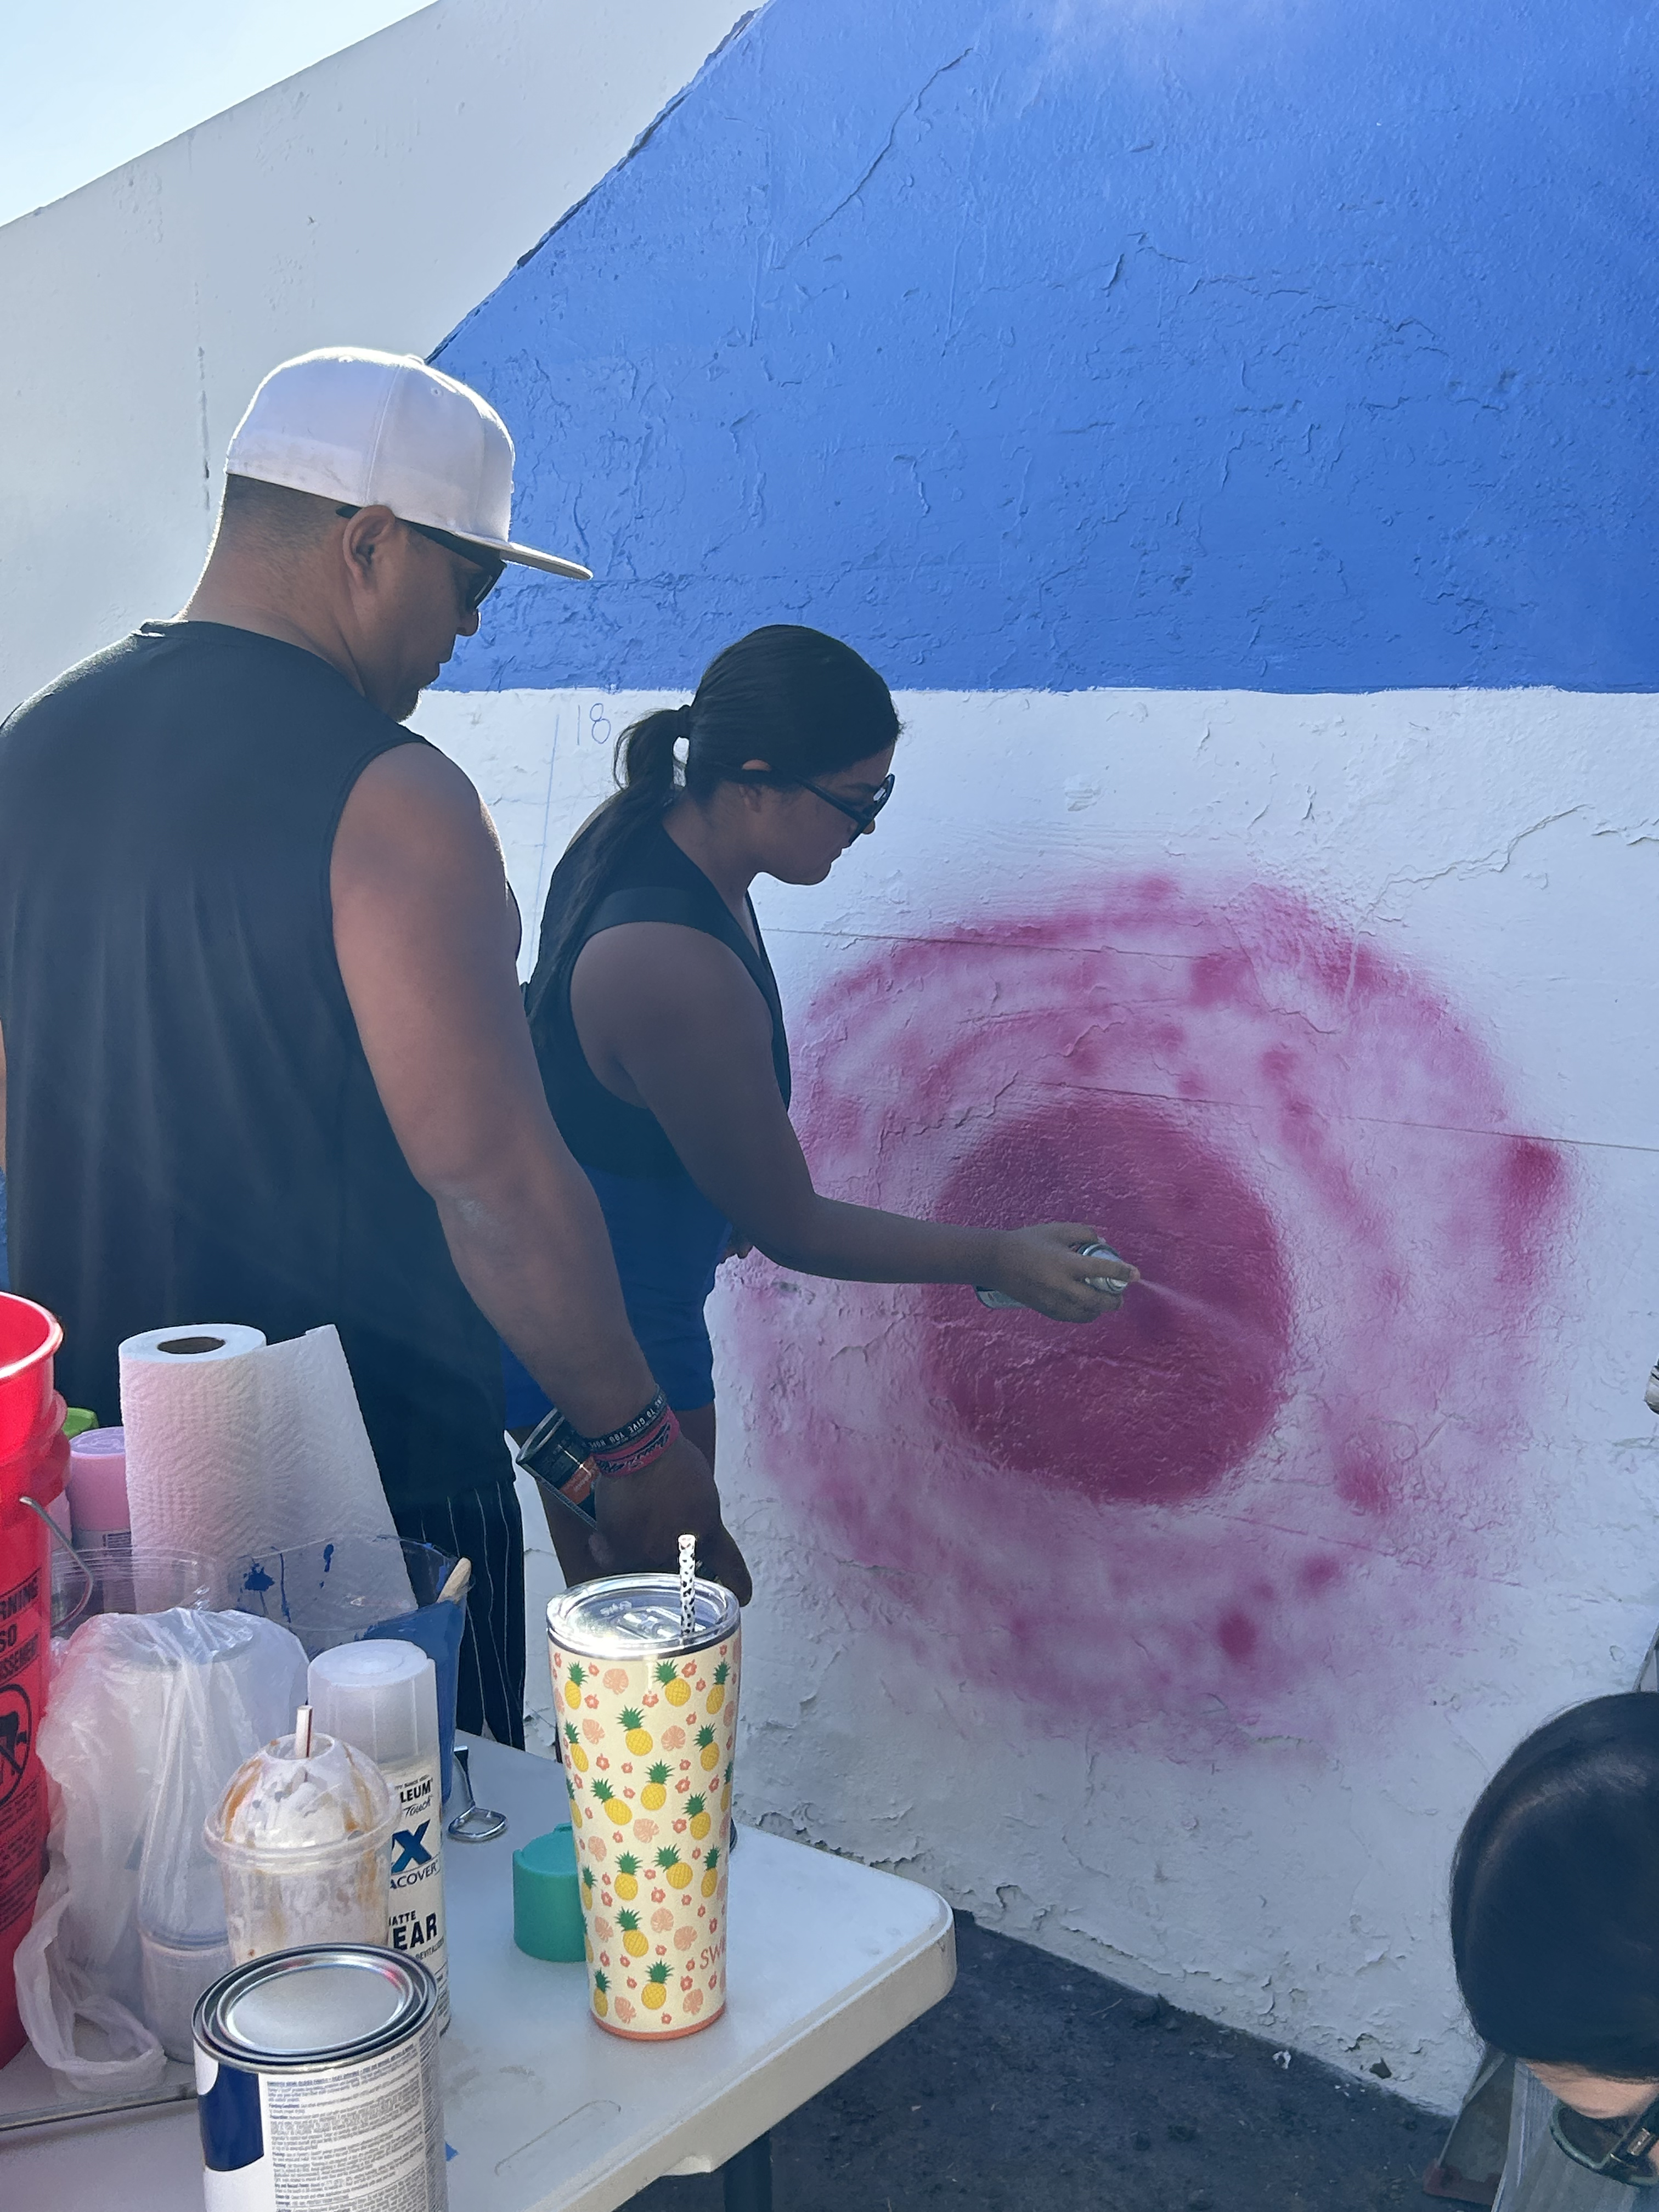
(645,765)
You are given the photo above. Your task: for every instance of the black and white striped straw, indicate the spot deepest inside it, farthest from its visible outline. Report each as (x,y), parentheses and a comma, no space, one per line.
(688,1587)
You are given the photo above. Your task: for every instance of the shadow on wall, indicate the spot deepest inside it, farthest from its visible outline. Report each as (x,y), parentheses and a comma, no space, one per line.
(1259,1498)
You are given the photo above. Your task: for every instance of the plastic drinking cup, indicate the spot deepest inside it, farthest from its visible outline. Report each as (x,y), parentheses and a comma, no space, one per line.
(303,1846)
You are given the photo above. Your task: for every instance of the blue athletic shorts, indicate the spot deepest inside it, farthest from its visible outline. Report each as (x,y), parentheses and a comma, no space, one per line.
(667,1240)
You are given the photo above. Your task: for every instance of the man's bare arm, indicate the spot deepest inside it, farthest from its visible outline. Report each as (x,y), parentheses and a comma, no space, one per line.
(425,933)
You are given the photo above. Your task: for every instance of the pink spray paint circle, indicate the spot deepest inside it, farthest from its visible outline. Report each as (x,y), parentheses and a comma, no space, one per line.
(1159,1407)
(1262,1498)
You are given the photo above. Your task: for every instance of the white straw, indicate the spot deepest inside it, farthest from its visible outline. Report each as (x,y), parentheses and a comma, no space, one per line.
(302,1732)
(688,1587)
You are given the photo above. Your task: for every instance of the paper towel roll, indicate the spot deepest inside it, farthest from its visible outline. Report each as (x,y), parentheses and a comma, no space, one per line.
(235,1445)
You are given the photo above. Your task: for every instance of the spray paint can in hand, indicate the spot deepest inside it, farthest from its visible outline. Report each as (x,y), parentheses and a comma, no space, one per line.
(381,1698)
(1106,1284)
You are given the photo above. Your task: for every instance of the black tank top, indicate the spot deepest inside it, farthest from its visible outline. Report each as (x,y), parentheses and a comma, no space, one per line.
(649,880)
(195,1134)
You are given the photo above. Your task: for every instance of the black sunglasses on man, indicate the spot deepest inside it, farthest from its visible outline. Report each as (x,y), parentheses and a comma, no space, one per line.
(491,569)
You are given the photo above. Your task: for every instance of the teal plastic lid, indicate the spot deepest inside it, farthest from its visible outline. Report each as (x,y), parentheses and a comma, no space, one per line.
(547,1905)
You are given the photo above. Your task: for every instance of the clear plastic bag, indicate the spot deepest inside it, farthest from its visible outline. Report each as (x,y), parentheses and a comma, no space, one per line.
(149,1716)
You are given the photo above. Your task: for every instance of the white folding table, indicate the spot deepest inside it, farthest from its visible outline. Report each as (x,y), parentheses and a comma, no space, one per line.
(545,2113)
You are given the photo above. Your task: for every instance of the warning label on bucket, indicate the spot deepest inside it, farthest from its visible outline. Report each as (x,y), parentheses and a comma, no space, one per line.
(16,1727)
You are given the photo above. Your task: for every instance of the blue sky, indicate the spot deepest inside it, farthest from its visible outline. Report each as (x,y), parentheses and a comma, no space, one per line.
(88,84)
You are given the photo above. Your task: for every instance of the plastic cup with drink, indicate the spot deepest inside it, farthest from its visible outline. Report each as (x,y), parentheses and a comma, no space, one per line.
(302,1837)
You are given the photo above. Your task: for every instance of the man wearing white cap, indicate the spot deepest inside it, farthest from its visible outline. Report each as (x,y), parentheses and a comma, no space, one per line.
(267,1057)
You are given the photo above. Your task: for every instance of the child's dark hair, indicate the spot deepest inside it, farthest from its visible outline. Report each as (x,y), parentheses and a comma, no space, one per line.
(1555,1893)
(805,703)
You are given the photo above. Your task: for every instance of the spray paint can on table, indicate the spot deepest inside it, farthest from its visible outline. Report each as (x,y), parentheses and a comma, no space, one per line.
(1000,1301)
(381,1698)
(317,2084)
(645,1684)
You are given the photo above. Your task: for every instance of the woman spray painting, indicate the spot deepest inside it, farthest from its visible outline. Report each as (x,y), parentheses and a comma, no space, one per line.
(661,1037)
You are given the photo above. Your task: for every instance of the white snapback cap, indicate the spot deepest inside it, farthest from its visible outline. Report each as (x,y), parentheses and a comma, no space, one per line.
(384,429)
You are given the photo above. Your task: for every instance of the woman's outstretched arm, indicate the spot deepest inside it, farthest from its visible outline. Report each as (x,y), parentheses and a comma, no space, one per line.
(670,1019)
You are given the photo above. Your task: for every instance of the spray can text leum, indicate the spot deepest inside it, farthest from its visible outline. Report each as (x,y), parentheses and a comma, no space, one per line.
(1001,1301)
(381,1698)
(317,2084)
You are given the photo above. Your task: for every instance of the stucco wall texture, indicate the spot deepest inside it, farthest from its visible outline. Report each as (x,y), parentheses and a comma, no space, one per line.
(1229,429)
(1184,1645)
(1177,342)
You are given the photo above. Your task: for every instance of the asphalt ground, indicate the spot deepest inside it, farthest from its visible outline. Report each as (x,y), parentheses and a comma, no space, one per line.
(1038,2087)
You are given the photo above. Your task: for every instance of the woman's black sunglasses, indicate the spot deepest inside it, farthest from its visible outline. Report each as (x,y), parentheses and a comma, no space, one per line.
(1616,2150)
(488,568)
(861,810)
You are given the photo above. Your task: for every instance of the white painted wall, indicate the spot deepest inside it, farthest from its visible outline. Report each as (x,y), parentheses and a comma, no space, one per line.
(372,200)
(1499,843)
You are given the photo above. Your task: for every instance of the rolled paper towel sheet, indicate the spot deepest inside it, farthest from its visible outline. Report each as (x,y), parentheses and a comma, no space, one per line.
(234,1445)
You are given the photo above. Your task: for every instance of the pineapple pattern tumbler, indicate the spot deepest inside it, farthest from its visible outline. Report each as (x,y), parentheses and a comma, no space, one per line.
(649,1718)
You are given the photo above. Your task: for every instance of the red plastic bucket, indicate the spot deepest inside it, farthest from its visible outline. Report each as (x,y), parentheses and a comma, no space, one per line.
(33,1461)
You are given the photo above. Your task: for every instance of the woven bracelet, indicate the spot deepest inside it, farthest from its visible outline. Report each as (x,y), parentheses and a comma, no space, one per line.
(633,1458)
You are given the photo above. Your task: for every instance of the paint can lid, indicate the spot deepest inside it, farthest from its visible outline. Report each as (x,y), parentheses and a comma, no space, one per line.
(321,2004)
(636,1616)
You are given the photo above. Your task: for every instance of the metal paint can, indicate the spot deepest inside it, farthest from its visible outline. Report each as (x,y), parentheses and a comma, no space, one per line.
(317,2084)
(1000,1301)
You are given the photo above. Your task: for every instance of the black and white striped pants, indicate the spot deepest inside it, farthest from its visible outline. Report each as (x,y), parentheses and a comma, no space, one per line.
(482,1525)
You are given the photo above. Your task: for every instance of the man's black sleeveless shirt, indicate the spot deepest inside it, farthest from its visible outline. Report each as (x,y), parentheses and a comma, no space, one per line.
(194,1134)
(648,879)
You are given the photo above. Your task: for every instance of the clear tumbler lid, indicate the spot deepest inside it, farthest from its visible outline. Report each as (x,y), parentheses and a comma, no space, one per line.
(638,1616)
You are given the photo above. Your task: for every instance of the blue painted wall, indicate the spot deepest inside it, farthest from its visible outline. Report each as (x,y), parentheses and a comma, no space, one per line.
(1298,346)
